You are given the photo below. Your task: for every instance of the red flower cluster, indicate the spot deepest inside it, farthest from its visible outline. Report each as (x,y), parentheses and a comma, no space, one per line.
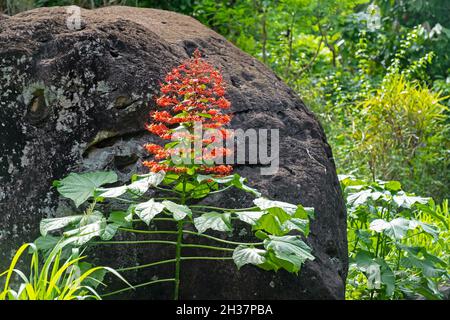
(191,93)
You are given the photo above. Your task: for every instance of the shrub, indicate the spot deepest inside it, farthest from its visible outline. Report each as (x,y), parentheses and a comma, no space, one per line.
(402,134)
(398,242)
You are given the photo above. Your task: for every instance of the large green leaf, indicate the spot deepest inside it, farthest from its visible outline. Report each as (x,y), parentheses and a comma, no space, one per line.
(80,186)
(90,226)
(140,186)
(272,222)
(361,197)
(110,231)
(111,192)
(290,249)
(301,225)
(213,220)
(119,218)
(243,255)
(250,217)
(265,204)
(426,227)
(179,211)
(396,228)
(51,224)
(430,265)
(234,180)
(376,271)
(405,201)
(146,211)
(152,178)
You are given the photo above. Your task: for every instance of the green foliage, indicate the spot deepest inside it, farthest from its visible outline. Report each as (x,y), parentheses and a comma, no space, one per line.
(278,224)
(398,242)
(55,278)
(412,145)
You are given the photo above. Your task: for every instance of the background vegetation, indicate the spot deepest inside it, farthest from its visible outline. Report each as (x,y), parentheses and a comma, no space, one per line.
(376,73)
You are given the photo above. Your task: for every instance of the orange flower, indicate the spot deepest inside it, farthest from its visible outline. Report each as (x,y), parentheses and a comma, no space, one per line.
(192,92)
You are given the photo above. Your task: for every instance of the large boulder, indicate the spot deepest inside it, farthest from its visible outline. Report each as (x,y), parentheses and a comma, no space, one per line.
(77,99)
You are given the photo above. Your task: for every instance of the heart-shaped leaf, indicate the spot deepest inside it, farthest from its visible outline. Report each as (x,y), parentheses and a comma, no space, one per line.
(213,220)
(146,211)
(243,255)
(179,211)
(81,186)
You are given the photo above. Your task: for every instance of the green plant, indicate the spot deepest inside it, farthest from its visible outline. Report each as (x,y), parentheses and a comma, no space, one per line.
(192,94)
(413,144)
(55,278)
(398,242)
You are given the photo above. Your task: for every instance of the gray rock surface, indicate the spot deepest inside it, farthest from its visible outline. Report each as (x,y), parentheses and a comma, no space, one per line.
(76,100)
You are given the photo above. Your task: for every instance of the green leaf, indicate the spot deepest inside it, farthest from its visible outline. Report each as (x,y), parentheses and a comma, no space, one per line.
(290,249)
(80,187)
(364,260)
(301,225)
(140,185)
(90,226)
(51,224)
(146,211)
(405,201)
(419,258)
(273,222)
(238,182)
(213,220)
(179,211)
(250,217)
(95,278)
(46,243)
(110,231)
(184,187)
(171,144)
(170,178)
(243,255)
(221,180)
(200,191)
(304,212)
(393,186)
(395,228)
(151,179)
(427,228)
(361,197)
(111,192)
(204,115)
(261,235)
(119,218)
(265,204)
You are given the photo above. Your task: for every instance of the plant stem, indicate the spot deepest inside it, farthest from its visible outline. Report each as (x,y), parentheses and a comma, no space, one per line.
(223,209)
(138,286)
(148,231)
(146,265)
(195,234)
(179,245)
(221,190)
(222,240)
(135,242)
(170,261)
(206,258)
(205,247)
